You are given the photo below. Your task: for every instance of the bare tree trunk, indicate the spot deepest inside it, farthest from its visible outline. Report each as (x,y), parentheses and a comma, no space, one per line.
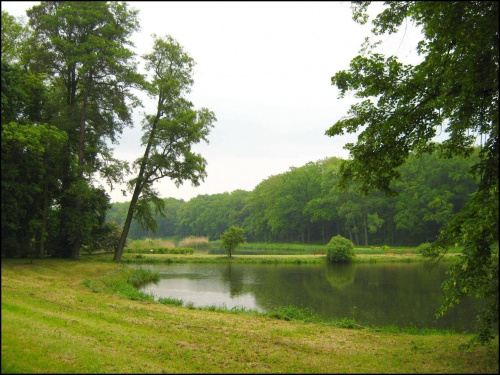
(126,227)
(137,192)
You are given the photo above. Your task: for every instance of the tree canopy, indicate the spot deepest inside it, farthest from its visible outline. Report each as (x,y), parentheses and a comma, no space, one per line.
(454,88)
(231,238)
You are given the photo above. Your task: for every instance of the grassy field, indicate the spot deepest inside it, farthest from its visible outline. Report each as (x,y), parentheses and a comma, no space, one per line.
(62,316)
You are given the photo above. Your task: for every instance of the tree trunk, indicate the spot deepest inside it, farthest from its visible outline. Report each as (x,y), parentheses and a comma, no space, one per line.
(75,253)
(355,230)
(366,229)
(43,229)
(137,192)
(130,215)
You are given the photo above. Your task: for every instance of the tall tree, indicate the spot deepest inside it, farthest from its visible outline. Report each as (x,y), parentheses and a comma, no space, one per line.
(455,87)
(169,134)
(83,46)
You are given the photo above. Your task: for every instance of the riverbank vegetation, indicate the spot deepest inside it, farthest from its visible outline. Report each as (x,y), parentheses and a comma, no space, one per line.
(303,206)
(79,317)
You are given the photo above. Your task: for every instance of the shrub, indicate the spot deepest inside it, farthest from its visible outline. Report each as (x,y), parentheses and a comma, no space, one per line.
(339,249)
(426,249)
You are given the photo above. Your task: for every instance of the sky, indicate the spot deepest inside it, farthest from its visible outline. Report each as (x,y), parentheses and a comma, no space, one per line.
(264,69)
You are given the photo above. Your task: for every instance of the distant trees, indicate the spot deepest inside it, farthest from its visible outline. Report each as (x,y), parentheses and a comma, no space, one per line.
(325,211)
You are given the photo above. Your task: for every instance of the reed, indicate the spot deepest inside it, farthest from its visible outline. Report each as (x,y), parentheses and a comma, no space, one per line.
(198,243)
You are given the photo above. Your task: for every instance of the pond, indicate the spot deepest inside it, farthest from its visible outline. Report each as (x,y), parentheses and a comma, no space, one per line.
(379,294)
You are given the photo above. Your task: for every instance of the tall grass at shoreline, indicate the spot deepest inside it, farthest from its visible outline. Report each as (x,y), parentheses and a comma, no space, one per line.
(197,243)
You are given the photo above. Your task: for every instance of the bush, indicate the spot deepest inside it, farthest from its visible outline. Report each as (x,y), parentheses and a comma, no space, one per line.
(426,249)
(339,249)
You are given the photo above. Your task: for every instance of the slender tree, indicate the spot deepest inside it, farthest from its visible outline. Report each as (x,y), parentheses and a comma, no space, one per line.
(455,87)
(169,134)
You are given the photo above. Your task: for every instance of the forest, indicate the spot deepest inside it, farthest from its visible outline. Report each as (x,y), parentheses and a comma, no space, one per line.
(303,205)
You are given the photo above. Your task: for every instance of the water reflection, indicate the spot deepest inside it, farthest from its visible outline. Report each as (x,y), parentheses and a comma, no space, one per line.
(379,294)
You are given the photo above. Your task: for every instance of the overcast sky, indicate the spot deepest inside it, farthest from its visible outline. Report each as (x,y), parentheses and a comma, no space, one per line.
(264,69)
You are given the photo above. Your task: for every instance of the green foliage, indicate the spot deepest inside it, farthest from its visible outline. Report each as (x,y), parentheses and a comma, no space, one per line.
(108,237)
(29,183)
(128,291)
(231,238)
(294,313)
(339,249)
(78,50)
(426,249)
(141,276)
(455,88)
(168,135)
(414,216)
(171,301)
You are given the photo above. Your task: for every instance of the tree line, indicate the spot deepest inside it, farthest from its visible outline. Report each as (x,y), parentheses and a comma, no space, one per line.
(304,205)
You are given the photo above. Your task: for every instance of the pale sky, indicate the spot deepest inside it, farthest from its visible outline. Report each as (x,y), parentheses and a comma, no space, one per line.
(264,69)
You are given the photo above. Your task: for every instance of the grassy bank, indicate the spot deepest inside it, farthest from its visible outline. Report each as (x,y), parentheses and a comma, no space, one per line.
(266,259)
(75,317)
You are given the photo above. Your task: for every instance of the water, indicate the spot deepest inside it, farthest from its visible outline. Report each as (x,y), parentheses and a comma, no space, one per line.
(400,294)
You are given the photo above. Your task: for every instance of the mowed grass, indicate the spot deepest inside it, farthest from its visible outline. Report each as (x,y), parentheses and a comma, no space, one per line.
(60,316)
